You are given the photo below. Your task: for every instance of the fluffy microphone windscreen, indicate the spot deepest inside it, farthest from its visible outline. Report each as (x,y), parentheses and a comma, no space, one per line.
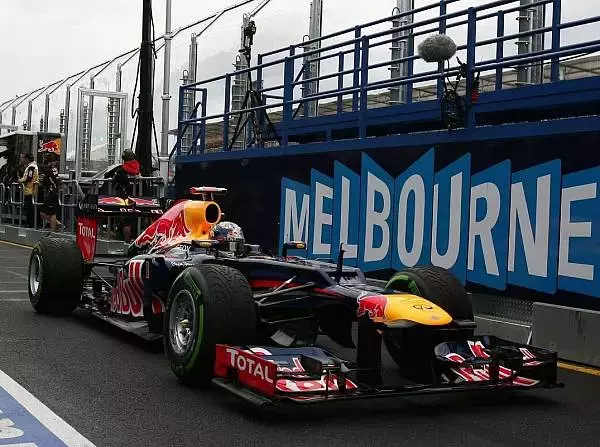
(437,48)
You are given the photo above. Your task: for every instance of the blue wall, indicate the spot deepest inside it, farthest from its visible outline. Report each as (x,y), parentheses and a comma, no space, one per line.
(532,228)
(520,217)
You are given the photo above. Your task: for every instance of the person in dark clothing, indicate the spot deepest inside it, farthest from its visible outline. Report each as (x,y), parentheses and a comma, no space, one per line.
(50,184)
(123,188)
(121,182)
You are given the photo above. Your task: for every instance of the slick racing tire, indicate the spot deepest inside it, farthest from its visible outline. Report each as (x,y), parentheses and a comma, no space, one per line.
(412,348)
(207,305)
(55,276)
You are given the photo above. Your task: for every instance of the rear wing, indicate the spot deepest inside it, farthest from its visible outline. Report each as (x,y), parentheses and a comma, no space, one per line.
(93,207)
(207,193)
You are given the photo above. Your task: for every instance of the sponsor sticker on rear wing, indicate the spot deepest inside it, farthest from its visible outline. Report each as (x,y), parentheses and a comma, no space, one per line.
(250,369)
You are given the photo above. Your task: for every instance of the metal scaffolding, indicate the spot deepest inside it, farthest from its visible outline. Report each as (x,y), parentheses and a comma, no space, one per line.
(312,64)
(401,49)
(531,18)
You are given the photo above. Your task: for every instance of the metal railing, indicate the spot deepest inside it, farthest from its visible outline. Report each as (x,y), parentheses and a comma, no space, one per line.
(13,212)
(359,48)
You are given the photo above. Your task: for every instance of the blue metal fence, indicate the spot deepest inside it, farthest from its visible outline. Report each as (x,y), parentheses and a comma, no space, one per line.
(359,48)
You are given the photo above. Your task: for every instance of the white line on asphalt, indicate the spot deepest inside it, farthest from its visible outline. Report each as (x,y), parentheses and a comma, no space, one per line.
(43,414)
(13,300)
(20,275)
(13,291)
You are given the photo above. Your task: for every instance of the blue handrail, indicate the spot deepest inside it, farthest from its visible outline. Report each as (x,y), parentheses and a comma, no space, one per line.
(359,48)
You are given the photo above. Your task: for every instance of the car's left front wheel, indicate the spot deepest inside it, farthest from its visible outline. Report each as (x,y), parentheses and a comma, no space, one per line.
(207,305)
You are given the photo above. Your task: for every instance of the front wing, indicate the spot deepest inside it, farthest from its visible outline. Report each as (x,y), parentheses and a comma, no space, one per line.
(267,376)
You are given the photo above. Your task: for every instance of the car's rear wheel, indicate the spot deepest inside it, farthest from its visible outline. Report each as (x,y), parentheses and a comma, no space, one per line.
(412,348)
(207,305)
(55,276)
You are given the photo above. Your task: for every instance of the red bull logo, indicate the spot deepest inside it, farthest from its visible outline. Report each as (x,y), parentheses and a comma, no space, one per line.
(170,226)
(372,305)
(52,146)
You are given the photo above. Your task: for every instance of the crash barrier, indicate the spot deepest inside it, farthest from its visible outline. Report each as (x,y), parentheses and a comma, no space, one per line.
(578,337)
(506,317)
(13,210)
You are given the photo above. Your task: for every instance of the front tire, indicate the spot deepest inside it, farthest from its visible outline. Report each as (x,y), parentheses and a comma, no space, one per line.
(412,348)
(207,305)
(55,276)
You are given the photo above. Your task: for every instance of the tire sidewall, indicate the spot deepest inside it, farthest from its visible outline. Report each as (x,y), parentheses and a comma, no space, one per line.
(192,281)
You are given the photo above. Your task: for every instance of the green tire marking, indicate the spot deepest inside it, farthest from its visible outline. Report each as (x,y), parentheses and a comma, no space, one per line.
(189,281)
(199,338)
(409,283)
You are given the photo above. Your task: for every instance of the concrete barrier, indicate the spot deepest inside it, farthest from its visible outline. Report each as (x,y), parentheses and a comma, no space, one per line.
(507,330)
(573,333)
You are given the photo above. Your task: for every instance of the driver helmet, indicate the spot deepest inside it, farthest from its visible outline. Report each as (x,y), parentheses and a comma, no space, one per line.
(229,235)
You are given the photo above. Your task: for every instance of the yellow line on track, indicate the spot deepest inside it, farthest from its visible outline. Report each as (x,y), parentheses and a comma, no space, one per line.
(581,369)
(16,245)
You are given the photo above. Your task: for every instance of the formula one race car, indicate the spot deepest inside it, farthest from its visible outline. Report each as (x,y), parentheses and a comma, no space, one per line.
(248,322)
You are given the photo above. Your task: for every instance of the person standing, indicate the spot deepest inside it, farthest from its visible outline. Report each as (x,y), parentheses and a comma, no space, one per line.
(50,183)
(29,181)
(124,189)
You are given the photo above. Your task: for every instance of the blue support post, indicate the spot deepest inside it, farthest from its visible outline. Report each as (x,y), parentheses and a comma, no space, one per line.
(179,120)
(499,49)
(471,49)
(340,101)
(364,82)
(440,83)
(356,77)
(288,97)
(226,113)
(556,19)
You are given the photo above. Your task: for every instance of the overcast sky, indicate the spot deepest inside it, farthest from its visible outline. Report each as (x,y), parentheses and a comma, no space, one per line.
(44,40)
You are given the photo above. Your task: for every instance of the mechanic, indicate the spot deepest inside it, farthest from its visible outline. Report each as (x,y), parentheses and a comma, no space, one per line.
(50,183)
(124,188)
(29,181)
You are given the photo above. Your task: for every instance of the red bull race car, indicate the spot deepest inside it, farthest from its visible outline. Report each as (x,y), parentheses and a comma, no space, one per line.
(250,322)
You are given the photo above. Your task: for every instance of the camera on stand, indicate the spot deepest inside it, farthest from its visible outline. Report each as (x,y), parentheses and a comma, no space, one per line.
(257,119)
(249,32)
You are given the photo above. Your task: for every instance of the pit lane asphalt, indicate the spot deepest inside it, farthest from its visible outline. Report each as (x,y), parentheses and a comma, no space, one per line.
(117,391)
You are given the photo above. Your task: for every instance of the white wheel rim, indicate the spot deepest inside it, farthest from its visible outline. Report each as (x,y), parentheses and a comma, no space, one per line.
(35,274)
(182,323)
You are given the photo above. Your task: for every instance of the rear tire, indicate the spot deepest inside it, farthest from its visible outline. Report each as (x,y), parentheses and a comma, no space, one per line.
(207,305)
(412,348)
(55,276)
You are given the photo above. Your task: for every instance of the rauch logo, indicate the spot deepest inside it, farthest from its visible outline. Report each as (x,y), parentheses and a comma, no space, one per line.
(535,228)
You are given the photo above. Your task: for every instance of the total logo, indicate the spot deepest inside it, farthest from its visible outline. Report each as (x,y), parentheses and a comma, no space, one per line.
(86,231)
(247,364)
(537,228)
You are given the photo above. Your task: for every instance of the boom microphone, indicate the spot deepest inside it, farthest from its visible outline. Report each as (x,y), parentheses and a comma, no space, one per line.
(438,48)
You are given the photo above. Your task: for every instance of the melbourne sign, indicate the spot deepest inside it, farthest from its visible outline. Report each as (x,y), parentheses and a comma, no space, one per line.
(535,228)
